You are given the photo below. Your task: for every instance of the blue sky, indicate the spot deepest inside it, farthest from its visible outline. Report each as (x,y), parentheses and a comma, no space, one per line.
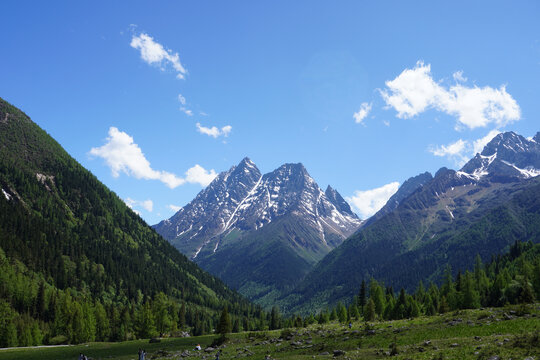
(364,94)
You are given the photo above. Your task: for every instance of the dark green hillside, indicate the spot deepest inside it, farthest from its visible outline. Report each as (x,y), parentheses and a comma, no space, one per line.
(277,255)
(64,233)
(417,240)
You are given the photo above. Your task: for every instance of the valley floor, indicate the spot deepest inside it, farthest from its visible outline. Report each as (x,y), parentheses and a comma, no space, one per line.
(492,333)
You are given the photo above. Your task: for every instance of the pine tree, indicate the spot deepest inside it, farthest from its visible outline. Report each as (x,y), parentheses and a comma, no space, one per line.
(224,325)
(353,311)
(182,316)
(102,322)
(275,318)
(162,318)
(471,298)
(362,296)
(144,322)
(377,295)
(333,314)
(527,293)
(236,326)
(443,306)
(341,312)
(39,308)
(369,314)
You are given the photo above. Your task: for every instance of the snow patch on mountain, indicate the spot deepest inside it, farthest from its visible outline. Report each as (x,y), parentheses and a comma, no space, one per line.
(6,194)
(244,198)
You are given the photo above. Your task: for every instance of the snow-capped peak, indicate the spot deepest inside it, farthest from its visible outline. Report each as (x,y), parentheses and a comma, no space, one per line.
(507,155)
(242,199)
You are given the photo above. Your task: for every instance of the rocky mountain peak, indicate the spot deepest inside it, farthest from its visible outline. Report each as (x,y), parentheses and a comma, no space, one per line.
(338,201)
(245,200)
(507,156)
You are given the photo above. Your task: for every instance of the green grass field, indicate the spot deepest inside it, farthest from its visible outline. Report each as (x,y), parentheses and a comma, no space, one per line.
(510,333)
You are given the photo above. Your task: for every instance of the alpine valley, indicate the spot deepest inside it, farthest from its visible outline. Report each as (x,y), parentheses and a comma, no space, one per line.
(261,234)
(279,239)
(432,223)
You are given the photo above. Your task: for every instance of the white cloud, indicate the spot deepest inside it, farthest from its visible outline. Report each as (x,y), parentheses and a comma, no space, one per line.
(456,151)
(214,131)
(148,205)
(359,116)
(414,91)
(174,208)
(182,99)
(461,150)
(154,53)
(122,155)
(478,145)
(198,175)
(368,202)
(186,111)
(458,76)
(452,149)
(386,122)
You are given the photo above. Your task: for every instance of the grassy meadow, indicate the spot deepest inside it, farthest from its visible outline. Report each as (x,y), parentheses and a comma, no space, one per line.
(509,333)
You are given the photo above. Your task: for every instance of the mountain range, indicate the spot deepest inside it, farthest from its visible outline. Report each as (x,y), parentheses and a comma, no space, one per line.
(433,222)
(261,234)
(277,238)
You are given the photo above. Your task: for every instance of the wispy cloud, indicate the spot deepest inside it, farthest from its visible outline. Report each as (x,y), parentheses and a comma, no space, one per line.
(214,131)
(414,91)
(148,205)
(456,151)
(174,208)
(123,155)
(186,111)
(368,202)
(361,114)
(181,99)
(183,107)
(458,76)
(460,151)
(154,53)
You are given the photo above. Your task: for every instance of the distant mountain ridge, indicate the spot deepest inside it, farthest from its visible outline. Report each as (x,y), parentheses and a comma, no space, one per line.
(480,209)
(285,208)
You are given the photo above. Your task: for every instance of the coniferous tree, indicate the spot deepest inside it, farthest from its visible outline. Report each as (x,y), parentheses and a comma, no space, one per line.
(353,311)
(470,298)
(527,293)
(236,326)
(275,318)
(182,316)
(39,308)
(102,322)
(224,325)
(443,306)
(144,322)
(369,314)
(377,295)
(341,312)
(362,296)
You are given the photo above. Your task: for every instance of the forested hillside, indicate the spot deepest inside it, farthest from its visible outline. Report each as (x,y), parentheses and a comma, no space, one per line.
(481,209)
(512,278)
(76,264)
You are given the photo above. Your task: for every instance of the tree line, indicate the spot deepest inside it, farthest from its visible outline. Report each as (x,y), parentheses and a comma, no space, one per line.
(510,279)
